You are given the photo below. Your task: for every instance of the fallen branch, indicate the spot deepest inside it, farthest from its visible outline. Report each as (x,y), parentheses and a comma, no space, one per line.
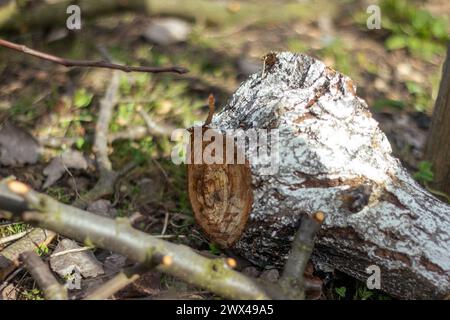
(153,128)
(44,278)
(117,283)
(87,63)
(135,133)
(61,253)
(108,177)
(119,236)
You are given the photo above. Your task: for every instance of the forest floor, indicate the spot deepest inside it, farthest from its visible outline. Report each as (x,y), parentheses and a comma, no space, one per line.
(398,78)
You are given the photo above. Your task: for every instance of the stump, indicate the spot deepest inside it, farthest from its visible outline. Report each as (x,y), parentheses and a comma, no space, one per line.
(331,157)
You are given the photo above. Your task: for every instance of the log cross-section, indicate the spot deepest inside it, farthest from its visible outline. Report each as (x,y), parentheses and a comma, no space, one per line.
(220,193)
(332,158)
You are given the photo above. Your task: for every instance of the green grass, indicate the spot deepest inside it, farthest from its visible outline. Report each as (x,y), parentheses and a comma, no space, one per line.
(413,28)
(13,228)
(32,294)
(61,194)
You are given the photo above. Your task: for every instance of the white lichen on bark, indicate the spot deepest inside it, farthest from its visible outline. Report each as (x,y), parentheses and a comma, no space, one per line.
(334,158)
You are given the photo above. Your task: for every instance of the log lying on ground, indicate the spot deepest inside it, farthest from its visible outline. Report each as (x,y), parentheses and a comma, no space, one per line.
(332,158)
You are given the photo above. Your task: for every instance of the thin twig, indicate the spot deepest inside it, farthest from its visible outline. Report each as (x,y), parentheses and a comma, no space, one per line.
(169,236)
(166,222)
(13,237)
(87,63)
(133,133)
(61,253)
(9,278)
(117,283)
(212,109)
(106,182)
(292,278)
(154,128)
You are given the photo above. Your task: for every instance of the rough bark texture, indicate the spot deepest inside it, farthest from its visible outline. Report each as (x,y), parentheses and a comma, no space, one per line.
(438,142)
(334,158)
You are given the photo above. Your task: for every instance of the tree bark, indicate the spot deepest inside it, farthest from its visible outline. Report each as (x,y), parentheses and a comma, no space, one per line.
(332,158)
(438,142)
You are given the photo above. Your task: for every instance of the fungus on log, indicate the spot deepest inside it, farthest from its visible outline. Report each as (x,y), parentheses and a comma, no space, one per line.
(328,154)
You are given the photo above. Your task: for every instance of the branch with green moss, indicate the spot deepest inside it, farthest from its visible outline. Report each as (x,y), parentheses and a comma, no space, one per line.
(216,275)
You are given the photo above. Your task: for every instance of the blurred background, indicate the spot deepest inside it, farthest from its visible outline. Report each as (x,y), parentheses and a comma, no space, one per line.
(396,68)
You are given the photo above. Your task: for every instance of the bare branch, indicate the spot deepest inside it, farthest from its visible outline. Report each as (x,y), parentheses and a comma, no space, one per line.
(119,236)
(107,105)
(301,249)
(120,281)
(105,184)
(87,63)
(154,128)
(40,272)
(212,109)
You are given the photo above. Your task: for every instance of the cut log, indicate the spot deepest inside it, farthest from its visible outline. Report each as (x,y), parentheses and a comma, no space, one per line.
(330,156)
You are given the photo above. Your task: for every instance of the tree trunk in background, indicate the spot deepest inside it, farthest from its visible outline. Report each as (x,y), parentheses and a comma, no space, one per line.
(438,142)
(332,158)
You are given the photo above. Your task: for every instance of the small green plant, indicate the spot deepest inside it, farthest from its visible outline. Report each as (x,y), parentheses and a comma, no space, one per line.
(214,249)
(13,228)
(82,98)
(421,98)
(412,28)
(362,293)
(380,104)
(425,173)
(59,194)
(341,291)
(42,249)
(80,142)
(33,294)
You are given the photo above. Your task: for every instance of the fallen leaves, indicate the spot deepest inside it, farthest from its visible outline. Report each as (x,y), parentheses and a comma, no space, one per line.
(70,159)
(17,147)
(84,261)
